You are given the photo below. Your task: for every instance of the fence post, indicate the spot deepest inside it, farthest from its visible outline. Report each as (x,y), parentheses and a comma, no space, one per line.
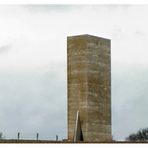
(18,136)
(56,137)
(37,136)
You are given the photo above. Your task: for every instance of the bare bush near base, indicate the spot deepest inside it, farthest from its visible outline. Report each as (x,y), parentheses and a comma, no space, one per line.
(141,135)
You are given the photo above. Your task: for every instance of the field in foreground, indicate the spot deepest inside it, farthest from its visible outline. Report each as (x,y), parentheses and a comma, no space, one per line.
(53,141)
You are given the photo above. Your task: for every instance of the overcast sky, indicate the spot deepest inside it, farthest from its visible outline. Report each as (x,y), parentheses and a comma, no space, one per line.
(33,78)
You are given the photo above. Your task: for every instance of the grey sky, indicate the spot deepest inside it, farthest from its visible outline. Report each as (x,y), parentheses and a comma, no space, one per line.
(33,89)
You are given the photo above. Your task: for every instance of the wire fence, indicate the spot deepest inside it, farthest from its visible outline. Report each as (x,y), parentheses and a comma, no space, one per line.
(19,137)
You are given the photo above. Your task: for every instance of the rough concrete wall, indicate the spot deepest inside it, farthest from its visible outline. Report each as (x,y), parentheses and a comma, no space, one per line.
(89,87)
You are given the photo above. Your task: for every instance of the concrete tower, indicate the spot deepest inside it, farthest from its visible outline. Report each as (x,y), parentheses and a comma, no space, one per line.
(89,88)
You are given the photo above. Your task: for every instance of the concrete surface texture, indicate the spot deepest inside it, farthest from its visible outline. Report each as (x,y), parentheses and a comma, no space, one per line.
(89,87)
